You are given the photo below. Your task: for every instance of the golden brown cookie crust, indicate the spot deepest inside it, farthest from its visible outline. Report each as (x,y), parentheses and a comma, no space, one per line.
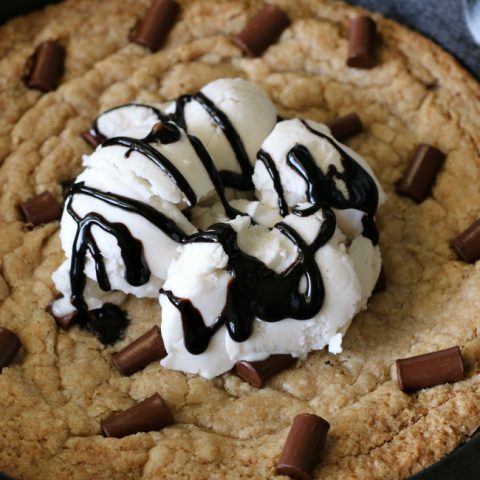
(54,395)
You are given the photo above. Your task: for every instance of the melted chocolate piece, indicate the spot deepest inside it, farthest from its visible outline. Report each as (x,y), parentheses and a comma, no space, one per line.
(66,321)
(467,244)
(321,189)
(107,323)
(255,291)
(242,181)
(420,175)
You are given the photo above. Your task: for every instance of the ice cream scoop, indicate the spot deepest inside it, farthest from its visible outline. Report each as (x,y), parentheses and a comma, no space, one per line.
(241,291)
(231,117)
(122,222)
(301,163)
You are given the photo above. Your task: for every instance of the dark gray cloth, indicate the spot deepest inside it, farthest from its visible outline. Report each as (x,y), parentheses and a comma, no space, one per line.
(444,21)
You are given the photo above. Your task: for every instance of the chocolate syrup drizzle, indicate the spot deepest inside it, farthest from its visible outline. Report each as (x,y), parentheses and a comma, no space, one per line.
(166,133)
(255,291)
(239,181)
(137,272)
(321,189)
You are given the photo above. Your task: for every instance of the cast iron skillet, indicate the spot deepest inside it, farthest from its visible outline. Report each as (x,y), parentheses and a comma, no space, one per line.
(442,20)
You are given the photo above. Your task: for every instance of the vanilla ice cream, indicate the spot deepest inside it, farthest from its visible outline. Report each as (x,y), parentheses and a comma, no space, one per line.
(247,108)
(201,274)
(325,152)
(133,175)
(136,117)
(286,276)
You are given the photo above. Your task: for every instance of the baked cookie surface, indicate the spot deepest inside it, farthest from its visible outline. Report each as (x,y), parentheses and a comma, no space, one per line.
(53,397)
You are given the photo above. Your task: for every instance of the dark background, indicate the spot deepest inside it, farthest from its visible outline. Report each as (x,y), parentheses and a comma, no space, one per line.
(444,22)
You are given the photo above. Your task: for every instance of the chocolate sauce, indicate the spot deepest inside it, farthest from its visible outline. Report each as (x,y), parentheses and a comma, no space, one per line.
(272,170)
(107,323)
(196,335)
(256,291)
(321,189)
(239,181)
(160,160)
(214,175)
(137,272)
(164,132)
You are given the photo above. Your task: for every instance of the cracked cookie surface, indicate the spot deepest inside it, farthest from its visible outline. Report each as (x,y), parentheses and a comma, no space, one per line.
(53,397)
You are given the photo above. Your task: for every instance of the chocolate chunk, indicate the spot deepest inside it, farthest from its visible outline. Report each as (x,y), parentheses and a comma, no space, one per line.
(346,126)
(430,369)
(361,43)
(420,175)
(92,138)
(262,30)
(381,284)
(9,346)
(46,66)
(302,447)
(467,244)
(151,414)
(40,209)
(257,373)
(65,321)
(144,350)
(156,23)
